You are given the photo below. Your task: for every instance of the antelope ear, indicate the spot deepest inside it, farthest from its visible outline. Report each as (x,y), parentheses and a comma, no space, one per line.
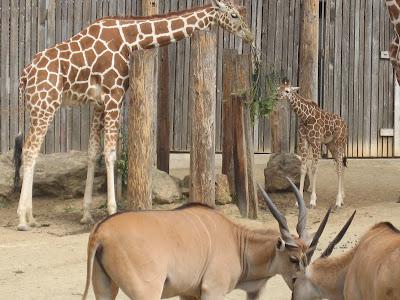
(219,4)
(308,240)
(280,245)
(294,88)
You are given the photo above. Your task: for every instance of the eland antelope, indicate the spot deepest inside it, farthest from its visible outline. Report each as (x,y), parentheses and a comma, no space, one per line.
(369,271)
(193,252)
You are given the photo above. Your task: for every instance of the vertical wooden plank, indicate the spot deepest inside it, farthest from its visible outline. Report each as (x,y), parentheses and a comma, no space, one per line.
(375,55)
(345,36)
(396,144)
(21,49)
(337,52)
(49,15)
(64,129)
(5,75)
(85,110)
(367,80)
(361,80)
(112,8)
(163,130)
(350,80)
(185,89)
(69,111)
(58,39)
(356,77)
(14,78)
(76,111)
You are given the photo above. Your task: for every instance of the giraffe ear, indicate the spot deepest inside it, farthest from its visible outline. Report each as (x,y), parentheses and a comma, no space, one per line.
(219,4)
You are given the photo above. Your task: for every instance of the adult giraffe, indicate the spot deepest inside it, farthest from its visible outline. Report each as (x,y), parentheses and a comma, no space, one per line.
(393,7)
(92,67)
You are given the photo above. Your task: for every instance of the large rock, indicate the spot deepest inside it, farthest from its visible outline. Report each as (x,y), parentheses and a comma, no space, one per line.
(64,175)
(166,188)
(6,177)
(222,191)
(280,166)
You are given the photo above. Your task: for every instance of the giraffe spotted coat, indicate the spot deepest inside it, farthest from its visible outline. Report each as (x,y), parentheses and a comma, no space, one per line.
(317,127)
(92,67)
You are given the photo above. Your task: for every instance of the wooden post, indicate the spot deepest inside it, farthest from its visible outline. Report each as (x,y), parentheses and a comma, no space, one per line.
(244,74)
(140,141)
(238,148)
(163,146)
(149,8)
(308,65)
(229,71)
(240,155)
(202,154)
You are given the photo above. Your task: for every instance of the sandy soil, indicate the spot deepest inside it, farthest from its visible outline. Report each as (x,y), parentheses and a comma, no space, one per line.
(49,262)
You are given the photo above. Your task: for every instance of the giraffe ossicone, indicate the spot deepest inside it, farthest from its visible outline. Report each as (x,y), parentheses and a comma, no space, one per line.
(317,127)
(92,67)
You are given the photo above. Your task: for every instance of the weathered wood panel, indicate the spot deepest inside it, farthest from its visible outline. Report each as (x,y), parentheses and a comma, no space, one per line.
(353,80)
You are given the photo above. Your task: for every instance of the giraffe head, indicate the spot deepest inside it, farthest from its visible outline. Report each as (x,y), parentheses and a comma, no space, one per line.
(285,90)
(231,17)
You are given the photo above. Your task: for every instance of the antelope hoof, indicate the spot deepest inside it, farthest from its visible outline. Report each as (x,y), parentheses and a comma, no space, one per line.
(87,220)
(23,227)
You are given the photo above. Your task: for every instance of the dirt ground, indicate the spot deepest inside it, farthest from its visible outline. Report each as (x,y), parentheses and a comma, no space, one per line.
(49,262)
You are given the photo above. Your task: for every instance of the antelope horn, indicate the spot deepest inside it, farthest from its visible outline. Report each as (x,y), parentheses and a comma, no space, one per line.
(338,237)
(302,222)
(283,226)
(317,235)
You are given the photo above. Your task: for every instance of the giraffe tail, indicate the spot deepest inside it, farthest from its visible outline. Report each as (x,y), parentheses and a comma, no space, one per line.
(17,159)
(345,161)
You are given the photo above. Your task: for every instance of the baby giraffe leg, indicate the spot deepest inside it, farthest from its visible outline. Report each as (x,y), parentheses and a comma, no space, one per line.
(339,170)
(314,168)
(303,147)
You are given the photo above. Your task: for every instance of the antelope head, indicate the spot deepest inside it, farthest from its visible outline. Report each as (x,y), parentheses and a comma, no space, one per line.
(310,286)
(293,252)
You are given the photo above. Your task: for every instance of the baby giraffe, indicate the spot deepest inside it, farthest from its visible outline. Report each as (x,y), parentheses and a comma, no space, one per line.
(317,127)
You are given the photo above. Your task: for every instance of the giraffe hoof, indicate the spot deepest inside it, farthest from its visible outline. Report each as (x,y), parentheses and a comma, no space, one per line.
(87,220)
(312,206)
(23,227)
(34,224)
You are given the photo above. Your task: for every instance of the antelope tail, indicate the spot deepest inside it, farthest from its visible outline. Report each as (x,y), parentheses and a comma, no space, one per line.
(93,245)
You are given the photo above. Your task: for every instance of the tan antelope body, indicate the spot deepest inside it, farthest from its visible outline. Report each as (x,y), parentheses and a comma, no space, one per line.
(194,252)
(369,271)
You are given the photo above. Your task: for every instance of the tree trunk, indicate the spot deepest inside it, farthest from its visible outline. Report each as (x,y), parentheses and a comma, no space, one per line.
(140,141)
(308,65)
(229,74)
(163,126)
(202,154)
(149,8)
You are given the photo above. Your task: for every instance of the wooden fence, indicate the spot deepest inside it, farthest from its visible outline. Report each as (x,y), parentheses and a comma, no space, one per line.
(354,80)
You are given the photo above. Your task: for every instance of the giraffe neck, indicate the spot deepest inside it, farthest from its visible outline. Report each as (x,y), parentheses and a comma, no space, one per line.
(302,107)
(158,31)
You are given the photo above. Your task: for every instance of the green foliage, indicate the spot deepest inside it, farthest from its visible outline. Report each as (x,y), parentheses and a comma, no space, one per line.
(264,98)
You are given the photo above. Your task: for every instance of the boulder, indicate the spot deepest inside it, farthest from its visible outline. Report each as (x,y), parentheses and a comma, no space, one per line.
(64,175)
(6,177)
(222,191)
(280,166)
(166,188)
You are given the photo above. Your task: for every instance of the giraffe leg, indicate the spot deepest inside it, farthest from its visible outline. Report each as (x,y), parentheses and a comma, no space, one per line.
(303,147)
(93,152)
(314,168)
(338,154)
(111,125)
(34,140)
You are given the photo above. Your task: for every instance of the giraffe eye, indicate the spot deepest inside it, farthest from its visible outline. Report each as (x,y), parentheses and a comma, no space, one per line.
(235,16)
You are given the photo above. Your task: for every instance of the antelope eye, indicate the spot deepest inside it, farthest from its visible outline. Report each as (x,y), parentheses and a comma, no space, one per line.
(235,16)
(294,259)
